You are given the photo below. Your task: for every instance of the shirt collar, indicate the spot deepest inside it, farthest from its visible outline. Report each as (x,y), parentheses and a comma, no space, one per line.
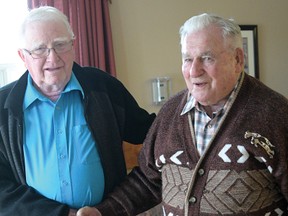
(192,103)
(32,94)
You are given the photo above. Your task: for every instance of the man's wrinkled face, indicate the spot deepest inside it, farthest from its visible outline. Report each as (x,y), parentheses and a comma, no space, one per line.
(54,70)
(209,66)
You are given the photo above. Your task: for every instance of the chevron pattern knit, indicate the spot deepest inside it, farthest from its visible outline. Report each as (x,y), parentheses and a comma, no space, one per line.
(226,191)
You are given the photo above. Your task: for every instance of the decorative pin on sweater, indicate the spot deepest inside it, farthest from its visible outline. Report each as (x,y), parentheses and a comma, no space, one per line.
(257,139)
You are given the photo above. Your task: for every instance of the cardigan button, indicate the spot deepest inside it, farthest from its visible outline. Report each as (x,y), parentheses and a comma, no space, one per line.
(193,199)
(201,172)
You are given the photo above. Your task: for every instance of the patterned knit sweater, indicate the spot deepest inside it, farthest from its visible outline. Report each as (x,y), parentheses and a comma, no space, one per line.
(244,170)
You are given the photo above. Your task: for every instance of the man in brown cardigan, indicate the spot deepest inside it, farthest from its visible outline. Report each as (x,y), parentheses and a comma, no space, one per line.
(220,147)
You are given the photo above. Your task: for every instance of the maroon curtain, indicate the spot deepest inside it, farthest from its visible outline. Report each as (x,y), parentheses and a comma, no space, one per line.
(90,22)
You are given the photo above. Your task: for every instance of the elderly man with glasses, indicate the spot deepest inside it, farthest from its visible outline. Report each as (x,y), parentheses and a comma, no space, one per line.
(62,125)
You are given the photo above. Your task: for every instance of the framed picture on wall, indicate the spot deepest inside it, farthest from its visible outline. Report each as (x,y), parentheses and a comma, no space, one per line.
(250,45)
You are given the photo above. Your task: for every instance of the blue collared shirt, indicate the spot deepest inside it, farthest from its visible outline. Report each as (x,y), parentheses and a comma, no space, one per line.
(61,158)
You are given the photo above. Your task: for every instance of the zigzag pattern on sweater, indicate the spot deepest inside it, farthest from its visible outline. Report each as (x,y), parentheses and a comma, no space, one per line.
(225,192)
(229,192)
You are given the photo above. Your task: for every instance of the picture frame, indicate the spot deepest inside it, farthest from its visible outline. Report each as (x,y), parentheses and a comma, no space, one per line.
(250,45)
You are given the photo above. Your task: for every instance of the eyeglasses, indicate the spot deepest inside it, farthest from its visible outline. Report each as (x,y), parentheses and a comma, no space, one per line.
(59,48)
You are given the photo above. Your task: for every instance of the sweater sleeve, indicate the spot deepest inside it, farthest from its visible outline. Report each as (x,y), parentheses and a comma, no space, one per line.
(141,190)
(22,200)
(137,119)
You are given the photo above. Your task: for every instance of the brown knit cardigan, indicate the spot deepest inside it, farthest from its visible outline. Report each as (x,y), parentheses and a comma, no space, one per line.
(244,171)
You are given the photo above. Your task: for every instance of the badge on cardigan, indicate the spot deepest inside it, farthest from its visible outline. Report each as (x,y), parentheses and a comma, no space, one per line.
(257,139)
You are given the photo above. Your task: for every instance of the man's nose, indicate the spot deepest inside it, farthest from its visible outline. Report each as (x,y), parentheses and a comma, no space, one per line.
(52,54)
(195,68)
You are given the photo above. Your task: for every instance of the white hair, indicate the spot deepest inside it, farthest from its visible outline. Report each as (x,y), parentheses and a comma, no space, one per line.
(228,27)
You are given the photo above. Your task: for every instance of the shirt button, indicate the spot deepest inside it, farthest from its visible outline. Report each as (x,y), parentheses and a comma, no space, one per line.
(193,199)
(209,126)
(65,183)
(62,156)
(201,172)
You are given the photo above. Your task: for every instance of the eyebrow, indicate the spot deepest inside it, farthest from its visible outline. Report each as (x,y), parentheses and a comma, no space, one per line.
(37,45)
(208,53)
(205,53)
(61,39)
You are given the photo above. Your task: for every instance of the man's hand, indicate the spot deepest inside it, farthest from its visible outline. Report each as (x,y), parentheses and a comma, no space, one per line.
(88,211)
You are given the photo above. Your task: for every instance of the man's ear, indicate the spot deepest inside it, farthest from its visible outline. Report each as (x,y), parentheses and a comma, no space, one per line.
(239,59)
(22,56)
